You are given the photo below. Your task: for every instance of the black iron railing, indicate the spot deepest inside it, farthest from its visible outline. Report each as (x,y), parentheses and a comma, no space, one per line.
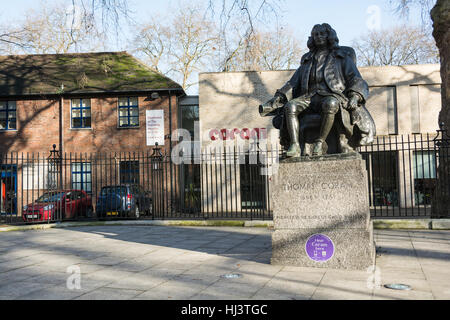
(408,176)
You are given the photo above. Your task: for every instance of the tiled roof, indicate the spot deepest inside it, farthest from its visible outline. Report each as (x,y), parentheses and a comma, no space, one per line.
(78,73)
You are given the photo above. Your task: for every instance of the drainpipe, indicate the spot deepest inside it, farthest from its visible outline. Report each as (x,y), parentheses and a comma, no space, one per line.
(170,123)
(61,135)
(170,146)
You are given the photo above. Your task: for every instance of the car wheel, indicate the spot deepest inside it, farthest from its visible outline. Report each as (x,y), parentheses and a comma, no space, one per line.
(137,214)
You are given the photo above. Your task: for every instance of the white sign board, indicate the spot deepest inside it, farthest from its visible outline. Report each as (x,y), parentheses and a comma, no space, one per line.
(155,127)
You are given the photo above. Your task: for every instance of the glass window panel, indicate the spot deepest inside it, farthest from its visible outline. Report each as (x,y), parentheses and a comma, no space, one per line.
(3,115)
(123,112)
(2,105)
(134,121)
(87,122)
(133,101)
(86,113)
(11,114)
(76,167)
(87,187)
(12,105)
(134,112)
(12,124)
(87,166)
(75,103)
(76,177)
(76,123)
(424,165)
(77,185)
(76,113)
(2,124)
(189,114)
(123,122)
(86,103)
(123,102)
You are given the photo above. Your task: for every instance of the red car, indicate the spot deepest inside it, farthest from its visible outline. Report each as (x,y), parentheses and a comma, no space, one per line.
(53,205)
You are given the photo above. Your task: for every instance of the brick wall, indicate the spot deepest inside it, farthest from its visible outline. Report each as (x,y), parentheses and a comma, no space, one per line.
(38,126)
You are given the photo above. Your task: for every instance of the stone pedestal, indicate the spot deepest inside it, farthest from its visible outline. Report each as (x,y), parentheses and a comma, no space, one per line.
(321,213)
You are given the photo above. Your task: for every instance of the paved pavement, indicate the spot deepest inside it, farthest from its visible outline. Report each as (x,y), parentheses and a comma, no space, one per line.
(162,262)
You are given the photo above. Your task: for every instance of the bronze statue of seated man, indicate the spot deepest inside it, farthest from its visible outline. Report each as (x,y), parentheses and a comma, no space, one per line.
(328,84)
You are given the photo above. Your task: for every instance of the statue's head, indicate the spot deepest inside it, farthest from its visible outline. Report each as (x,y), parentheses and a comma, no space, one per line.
(323,32)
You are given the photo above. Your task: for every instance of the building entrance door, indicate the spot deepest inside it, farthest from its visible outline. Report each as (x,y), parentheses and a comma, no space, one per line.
(8,189)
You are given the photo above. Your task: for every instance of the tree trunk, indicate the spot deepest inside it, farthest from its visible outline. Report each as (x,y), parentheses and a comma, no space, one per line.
(440,14)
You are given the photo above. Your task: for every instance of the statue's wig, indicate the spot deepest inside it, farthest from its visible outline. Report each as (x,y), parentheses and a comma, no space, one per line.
(333,41)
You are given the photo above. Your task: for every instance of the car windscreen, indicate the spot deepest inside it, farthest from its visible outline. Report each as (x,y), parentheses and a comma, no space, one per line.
(50,197)
(113,190)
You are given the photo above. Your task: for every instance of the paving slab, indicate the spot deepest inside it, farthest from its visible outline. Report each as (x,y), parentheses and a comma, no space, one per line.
(136,282)
(16,289)
(339,289)
(110,294)
(170,262)
(52,293)
(170,291)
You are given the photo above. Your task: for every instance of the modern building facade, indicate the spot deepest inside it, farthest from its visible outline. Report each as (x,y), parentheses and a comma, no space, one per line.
(404,101)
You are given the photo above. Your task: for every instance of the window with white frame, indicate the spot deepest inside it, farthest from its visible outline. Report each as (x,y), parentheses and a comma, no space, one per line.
(8,115)
(81,113)
(128,112)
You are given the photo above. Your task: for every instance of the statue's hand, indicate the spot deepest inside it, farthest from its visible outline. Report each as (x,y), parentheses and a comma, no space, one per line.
(280,101)
(353,103)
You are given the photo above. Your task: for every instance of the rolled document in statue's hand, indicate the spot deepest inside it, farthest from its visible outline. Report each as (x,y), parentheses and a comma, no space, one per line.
(269,106)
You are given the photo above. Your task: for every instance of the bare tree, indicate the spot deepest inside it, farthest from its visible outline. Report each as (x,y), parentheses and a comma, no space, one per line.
(398,46)
(403,7)
(179,45)
(195,40)
(107,15)
(154,40)
(50,29)
(237,22)
(266,50)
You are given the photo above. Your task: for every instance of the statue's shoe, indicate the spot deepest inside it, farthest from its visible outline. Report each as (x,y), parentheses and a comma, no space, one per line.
(345,148)
(317,150)
(294,150)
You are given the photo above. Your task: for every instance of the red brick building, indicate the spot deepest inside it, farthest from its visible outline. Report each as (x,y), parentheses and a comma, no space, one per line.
(90,106)
(86,102)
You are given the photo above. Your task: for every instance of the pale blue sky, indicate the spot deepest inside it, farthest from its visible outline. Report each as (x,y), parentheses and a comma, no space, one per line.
(350,18)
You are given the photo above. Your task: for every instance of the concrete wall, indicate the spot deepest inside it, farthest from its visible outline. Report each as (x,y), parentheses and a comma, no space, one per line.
(403,99)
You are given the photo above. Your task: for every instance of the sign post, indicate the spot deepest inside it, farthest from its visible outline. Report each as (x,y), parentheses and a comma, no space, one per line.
(154,120)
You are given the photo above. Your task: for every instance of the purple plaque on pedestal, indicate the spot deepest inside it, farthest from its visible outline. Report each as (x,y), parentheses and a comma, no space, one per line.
(319,248)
